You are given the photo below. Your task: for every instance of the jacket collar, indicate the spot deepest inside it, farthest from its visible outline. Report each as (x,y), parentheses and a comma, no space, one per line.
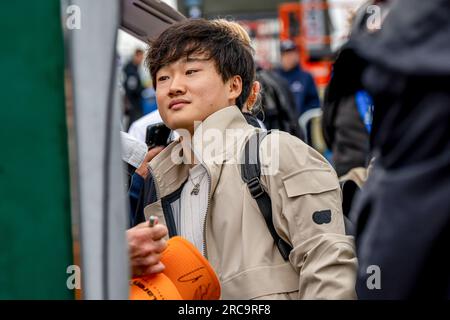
(214,143)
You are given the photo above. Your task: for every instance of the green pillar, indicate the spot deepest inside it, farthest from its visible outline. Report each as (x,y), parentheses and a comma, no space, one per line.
(35,221)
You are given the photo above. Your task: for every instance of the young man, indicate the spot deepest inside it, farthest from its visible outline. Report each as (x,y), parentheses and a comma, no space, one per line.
(203,73)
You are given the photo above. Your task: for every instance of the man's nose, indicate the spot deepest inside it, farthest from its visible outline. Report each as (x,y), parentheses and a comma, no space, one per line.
(177,86)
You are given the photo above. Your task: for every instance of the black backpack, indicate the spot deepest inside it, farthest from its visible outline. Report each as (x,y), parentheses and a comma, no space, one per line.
(251,173)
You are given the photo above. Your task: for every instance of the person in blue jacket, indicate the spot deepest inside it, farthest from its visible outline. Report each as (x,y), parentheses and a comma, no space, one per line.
(301,82)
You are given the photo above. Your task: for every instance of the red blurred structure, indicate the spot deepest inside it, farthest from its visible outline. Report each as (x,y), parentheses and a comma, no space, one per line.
(307,24)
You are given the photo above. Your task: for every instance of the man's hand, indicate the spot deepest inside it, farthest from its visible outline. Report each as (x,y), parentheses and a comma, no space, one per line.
(145,246)
(143,168)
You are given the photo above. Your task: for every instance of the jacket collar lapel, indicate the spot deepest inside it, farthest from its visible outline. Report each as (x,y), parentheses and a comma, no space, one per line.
(214,143)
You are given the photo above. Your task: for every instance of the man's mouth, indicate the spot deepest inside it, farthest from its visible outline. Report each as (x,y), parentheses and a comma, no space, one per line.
(177,104)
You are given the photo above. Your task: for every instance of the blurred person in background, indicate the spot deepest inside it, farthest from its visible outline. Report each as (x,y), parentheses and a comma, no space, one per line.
(301,82)
(133,87)
(348,108)
(278,103)
(403,212)
(148,100)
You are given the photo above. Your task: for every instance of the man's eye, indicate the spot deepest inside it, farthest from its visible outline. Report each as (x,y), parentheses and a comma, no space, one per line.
(162,78)
(191,71)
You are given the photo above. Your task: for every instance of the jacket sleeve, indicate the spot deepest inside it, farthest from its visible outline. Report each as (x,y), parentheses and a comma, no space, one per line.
(133,195)
(307,213)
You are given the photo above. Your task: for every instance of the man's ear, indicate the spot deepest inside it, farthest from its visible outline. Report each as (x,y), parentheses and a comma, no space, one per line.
(235,87)
(256,89)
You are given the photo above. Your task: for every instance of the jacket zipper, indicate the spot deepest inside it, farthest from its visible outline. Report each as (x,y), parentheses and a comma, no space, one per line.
(205,251)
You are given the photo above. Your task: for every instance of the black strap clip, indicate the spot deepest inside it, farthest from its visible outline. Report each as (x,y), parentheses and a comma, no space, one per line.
(255,187)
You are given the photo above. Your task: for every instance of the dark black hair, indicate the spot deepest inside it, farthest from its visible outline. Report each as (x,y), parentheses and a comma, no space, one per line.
(230,54)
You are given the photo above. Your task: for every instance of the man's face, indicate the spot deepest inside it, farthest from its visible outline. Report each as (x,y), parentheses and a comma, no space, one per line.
(138,57)
(289,60)
(191,89)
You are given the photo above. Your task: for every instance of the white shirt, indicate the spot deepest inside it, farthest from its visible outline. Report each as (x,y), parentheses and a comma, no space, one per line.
(193,207)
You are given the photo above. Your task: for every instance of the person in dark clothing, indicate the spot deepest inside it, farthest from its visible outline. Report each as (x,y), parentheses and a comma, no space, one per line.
(345,133)
(133,87)
(301,82)
(278,103)
(403,212)
(139,193)
(345,109)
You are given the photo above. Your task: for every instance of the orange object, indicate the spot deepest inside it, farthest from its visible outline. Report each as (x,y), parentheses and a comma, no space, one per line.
(295,26)
(156,287)
(188,276)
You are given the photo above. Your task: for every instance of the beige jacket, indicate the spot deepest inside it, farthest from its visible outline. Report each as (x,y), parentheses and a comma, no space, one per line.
(238,244)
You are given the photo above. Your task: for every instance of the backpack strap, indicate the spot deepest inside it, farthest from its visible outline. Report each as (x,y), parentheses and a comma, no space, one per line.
(250,173)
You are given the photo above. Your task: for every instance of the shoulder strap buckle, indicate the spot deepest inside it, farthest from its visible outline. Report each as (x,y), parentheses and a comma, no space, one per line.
(255,187)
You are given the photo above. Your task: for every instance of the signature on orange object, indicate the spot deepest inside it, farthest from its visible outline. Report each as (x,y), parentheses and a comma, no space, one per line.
(191,276)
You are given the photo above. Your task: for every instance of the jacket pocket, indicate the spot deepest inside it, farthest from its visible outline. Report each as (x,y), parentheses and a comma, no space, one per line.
(310,181)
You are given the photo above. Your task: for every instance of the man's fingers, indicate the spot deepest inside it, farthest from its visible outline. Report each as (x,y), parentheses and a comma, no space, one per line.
(153,153)
(144,232)
(157,268)
(158,231)
(149,270)
(154,233)
(143,242)
(146,262)
(151,247)
(146,224)
(140,225)
(160,245)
